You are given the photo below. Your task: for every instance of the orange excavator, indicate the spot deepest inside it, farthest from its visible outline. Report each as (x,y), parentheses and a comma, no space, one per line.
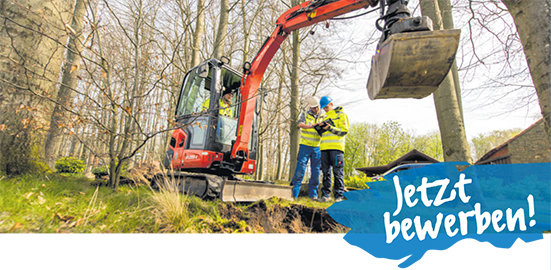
(211,145)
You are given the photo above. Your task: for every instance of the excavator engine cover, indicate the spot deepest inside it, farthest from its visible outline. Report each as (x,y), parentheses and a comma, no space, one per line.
(412,64)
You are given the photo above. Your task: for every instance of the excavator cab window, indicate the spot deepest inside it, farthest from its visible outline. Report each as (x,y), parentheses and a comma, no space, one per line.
(227,130)
(195,90)
(231,82)
(227,124)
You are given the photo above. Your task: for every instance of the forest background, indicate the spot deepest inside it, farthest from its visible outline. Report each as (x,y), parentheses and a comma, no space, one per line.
(98,80)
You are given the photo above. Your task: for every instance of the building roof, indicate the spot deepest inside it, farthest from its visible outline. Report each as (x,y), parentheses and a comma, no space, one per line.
(414,156)
(501,146)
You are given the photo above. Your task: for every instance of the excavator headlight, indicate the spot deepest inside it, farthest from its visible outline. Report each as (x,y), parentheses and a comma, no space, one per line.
(246,67)
(225,60)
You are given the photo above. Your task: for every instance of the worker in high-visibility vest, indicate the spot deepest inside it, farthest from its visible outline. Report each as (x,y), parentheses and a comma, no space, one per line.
(309,149)
(332,146)
(225,103)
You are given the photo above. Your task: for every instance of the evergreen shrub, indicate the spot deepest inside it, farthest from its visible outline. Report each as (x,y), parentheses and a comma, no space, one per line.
(69,165)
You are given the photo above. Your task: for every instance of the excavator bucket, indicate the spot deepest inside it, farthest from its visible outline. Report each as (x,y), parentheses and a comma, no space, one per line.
(412,64)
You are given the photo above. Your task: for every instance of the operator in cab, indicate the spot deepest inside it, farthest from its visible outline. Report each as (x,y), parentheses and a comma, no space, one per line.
(225,103)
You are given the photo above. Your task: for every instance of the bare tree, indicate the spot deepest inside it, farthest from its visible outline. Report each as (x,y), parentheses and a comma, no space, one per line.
(69,82)
(32,35)
(447,21)
(198,33)
(294,101)
(452,129)
(222,31)
(532,20)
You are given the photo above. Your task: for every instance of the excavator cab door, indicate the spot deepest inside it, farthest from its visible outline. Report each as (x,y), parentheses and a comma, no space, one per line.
(202,106)
(228,116)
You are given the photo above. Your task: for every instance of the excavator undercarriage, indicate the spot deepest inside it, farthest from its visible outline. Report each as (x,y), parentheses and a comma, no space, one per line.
(224,188)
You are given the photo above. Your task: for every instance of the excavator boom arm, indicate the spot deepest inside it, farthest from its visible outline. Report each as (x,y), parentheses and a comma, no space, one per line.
(300,16)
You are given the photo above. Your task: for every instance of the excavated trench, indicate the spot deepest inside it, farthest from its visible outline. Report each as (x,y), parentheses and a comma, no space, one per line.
(277,218)
(264,216)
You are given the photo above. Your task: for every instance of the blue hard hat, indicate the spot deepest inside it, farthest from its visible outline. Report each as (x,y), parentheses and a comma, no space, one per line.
(324,101)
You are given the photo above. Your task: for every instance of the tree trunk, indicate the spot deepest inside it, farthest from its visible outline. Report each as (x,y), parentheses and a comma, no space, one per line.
(246,33)
(69,82)
(111,114)
(113,161)
(248,24)
(452,129)
(532,22)
(198,34)
(447,21)
(259,161)
(130,138)
(222,29)
(31,34)
(279,163)
(293,120)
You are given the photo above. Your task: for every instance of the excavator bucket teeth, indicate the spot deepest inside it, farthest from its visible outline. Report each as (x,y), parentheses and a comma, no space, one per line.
(412,65)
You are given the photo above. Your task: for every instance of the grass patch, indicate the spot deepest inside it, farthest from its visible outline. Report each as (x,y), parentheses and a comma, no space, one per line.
(64,203)
(72,203)
(57,203)
(175,212)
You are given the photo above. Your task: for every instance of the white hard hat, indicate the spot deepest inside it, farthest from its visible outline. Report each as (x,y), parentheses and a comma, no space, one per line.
(313,102)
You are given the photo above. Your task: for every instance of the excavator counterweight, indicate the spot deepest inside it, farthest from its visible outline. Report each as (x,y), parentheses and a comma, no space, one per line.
(412,64)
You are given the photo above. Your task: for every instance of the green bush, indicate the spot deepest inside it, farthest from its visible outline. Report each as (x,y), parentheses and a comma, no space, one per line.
(538,187)
(100,171)
(358,182)
(69,165)
(492,187)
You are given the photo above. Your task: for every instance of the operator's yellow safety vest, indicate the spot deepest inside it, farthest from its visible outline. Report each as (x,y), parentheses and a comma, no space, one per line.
(225,110)
(334,138)
(309,136)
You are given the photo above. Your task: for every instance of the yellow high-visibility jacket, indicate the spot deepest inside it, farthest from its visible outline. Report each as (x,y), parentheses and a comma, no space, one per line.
(309,136)
(224,109)
(334,137)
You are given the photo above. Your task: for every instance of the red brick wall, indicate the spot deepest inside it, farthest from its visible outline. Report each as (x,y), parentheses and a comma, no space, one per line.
(531,147)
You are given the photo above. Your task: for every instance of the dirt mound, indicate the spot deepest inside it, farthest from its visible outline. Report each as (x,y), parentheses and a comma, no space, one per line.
(276,218)
(141,173)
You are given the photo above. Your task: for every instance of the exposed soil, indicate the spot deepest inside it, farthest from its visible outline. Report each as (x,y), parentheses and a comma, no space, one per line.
(139,174)
(262,216)
(275,218)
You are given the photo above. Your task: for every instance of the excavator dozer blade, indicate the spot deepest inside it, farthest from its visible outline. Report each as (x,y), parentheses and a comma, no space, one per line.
(412,64)
(208,186)
(250,191)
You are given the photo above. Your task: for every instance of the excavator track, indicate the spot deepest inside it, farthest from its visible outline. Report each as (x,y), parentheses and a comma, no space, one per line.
(225,188)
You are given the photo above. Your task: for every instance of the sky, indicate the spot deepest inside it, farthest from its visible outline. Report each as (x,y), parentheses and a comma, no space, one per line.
(483,112)
(419,115)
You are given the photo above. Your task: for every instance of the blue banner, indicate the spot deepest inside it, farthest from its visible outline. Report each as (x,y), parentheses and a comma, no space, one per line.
(434,207)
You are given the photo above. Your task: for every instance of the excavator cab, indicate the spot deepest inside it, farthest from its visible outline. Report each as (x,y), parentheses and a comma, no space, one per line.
(199,154)
(207,121)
